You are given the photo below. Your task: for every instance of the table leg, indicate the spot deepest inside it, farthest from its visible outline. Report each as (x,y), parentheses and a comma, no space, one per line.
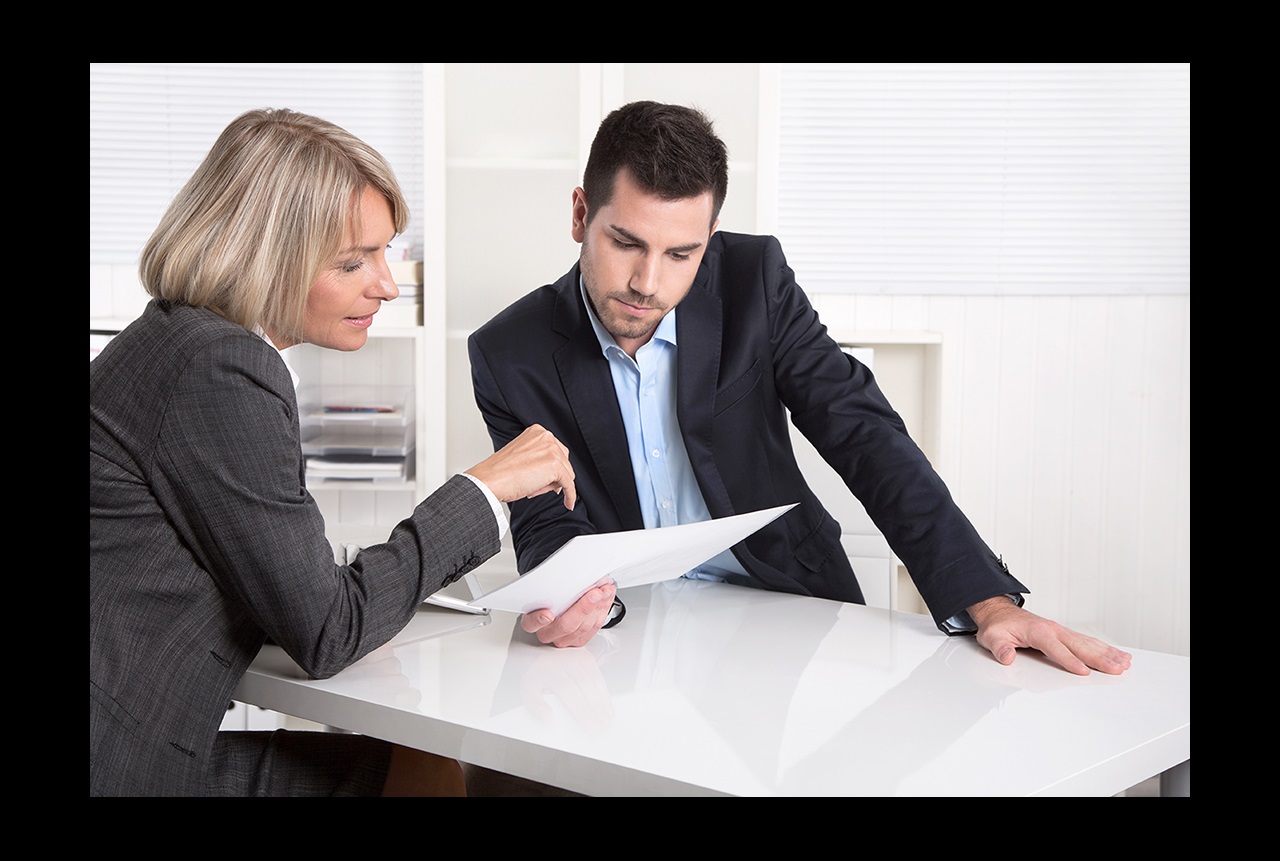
(1176,782)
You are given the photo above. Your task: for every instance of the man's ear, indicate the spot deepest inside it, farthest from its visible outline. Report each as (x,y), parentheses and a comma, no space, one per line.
(714,225)
(579,228)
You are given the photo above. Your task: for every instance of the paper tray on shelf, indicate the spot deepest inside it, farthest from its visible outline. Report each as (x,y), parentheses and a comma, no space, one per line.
(357,468)
(383,406)
(356,420)
(356,439)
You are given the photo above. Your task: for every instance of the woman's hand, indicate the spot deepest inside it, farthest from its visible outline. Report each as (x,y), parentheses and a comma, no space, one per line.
(531,464)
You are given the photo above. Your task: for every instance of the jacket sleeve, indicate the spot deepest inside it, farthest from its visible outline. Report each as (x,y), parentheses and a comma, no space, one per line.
(836,403)
(228,467)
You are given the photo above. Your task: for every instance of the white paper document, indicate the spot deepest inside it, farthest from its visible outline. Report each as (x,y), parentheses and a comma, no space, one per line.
(631,558)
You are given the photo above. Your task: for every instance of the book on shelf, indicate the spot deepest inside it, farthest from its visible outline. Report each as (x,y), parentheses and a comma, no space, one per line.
(406,309)
(403,311)
(406,272)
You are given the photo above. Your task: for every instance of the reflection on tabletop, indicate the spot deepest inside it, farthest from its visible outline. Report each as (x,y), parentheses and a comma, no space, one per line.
(708,687)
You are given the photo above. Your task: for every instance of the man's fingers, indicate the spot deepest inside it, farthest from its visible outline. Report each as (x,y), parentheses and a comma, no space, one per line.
(576,625)
(1097,654)
(1079,654)
(536,621)
(1058,651)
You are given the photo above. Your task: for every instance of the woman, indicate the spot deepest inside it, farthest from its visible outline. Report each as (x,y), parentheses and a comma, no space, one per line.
(203,540)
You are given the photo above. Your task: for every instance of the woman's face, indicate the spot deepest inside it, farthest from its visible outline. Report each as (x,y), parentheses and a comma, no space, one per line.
(342,302)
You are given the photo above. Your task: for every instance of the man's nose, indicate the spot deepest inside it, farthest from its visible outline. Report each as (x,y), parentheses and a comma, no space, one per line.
(645,278)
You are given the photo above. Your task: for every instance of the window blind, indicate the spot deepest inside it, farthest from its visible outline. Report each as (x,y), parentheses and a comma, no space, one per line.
(961,178)
(150,124)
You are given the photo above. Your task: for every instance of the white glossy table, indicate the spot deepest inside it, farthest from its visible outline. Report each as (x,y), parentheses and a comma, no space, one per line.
(707,689)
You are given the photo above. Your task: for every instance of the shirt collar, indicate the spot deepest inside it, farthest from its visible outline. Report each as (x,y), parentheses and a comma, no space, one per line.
(666,330)
(257,330)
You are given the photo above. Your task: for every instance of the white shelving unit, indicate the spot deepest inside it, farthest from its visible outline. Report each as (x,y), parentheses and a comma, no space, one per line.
(392,361)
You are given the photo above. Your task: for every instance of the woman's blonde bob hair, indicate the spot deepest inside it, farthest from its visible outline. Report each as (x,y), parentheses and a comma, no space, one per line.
(262,217)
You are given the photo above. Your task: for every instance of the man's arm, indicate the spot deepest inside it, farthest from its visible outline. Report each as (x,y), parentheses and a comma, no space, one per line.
(836,403)
(533,464)
(545,524)
(866,442)
(539,526)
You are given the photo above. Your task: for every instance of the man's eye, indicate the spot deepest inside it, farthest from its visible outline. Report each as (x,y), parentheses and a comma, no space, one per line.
(624,245)
(676,255)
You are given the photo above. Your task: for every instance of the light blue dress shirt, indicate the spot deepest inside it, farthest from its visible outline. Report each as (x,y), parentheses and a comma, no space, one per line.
(646,390)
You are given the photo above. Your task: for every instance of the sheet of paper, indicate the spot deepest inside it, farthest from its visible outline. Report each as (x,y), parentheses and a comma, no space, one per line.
(630,558)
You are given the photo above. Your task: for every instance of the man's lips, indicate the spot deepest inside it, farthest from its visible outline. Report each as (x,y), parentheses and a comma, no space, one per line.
(633,309)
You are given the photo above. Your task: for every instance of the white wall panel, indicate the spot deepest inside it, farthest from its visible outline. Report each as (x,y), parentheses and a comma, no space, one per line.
(1166,512)
(1013,449)
(1050,467)
(1124,488)
(1065,436)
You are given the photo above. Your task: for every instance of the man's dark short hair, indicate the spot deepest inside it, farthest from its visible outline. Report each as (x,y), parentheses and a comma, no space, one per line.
(670,151)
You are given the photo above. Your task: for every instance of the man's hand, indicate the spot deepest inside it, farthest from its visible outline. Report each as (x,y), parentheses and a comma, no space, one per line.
(1004,627)
(578,624)
(531,464)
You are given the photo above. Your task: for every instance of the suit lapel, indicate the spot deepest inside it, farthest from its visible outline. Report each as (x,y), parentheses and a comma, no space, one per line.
(588,386)
(699,328)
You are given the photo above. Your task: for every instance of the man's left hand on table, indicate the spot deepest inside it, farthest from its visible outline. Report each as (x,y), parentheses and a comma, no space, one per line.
(1003,628)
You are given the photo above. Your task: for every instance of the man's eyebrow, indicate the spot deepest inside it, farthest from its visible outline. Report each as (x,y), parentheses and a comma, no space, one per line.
(636,240)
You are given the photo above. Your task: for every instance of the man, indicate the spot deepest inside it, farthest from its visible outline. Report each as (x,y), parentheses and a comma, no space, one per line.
(667,361)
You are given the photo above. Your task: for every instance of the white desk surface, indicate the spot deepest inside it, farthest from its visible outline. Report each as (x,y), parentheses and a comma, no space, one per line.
(708,689)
